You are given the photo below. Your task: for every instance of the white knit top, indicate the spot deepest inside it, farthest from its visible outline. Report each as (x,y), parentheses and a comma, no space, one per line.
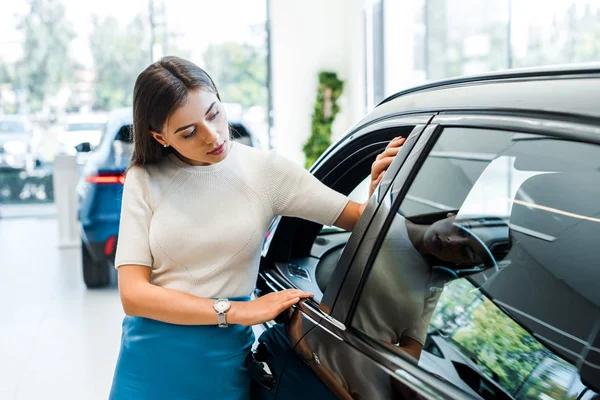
(201,228)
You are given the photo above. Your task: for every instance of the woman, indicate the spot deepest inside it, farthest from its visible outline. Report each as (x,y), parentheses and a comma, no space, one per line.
(194,213)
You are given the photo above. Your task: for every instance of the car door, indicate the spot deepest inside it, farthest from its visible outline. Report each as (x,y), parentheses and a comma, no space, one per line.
(294,247)
(498,294)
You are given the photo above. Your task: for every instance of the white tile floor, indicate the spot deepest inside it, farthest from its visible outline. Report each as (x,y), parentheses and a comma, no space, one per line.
(58,340)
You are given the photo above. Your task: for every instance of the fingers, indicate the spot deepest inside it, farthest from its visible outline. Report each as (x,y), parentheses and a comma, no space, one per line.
(293,296)
(287,304)
(380,166)
(378,180)
(383,160)
(397,141)
(389,152)
(297,293)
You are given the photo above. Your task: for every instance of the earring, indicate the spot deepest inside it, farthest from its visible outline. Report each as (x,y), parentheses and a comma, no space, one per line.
(165,145)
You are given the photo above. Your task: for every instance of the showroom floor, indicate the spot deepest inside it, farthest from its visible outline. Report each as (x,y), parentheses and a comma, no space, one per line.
(57,339)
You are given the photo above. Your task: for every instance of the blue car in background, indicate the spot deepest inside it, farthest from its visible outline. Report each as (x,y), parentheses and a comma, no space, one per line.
(100,190)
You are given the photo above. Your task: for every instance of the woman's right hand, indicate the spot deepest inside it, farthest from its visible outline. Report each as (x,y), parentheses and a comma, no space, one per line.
(265,308)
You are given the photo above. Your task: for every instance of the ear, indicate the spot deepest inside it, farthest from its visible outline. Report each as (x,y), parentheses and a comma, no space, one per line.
(159,138)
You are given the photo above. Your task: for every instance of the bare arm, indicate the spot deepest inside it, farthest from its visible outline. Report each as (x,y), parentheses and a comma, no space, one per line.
(143,299)
(407,345)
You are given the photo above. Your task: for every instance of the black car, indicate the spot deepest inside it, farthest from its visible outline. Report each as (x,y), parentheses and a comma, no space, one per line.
(474,271)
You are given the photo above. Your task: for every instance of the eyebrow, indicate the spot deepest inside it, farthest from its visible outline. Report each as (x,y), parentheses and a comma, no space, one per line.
(183,128)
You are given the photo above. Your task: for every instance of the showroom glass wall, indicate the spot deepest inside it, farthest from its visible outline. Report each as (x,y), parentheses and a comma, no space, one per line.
(427,40)
(64,68)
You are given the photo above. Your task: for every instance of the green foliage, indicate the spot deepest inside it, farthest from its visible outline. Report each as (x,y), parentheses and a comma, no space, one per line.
(119,56)
(45,65)
(239,71)
(326,108)
(510,352)
(486,335)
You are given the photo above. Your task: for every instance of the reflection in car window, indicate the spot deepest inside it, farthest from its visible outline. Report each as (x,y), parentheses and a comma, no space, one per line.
(490,260)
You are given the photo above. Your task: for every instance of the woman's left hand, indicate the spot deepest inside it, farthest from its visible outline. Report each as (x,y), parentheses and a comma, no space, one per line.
(383,161)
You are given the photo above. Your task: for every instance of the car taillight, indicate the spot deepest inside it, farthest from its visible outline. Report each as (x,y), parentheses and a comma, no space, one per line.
(106,179)
(109,246)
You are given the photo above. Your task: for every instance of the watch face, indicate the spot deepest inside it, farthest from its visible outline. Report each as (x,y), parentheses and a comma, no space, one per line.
(221,305)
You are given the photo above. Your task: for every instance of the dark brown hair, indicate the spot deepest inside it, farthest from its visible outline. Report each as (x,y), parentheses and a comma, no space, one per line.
(159,90)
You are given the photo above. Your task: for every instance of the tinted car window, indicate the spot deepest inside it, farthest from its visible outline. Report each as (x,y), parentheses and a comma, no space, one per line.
(492,256)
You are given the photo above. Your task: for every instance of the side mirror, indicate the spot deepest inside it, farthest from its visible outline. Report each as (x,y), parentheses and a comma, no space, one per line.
(84,147)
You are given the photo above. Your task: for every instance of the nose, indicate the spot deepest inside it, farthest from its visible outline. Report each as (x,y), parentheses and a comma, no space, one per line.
(211,136)
(455,240)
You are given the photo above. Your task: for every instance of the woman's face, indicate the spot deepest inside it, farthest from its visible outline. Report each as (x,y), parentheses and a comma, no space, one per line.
(446,241)
(198,130)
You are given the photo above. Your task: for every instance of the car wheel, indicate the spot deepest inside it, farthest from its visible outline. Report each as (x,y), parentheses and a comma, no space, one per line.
(95,274)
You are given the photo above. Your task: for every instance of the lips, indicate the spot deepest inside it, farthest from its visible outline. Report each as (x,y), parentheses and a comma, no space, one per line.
(218,150)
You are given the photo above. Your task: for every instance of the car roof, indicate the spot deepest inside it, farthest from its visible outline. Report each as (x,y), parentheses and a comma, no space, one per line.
(81,118)
(565,89)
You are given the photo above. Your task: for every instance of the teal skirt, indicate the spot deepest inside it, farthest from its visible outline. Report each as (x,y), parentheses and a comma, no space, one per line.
(158,360)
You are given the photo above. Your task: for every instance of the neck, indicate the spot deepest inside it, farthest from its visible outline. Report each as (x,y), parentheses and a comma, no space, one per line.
(416,234)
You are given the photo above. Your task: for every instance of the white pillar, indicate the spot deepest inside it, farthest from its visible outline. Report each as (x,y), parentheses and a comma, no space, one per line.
(308,37)
(65,178)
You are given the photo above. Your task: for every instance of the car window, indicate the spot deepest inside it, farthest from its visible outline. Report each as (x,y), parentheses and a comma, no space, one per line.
(85,126)
(360,194)
(489,264)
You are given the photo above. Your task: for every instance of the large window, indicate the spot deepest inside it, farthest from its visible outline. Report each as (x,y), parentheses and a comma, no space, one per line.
(434,39)
(490,265)
(64,68)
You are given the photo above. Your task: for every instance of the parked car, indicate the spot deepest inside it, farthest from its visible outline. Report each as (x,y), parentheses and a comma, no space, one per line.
(16,150)
(81,135)
(480,244)
(83,128)
(100,190)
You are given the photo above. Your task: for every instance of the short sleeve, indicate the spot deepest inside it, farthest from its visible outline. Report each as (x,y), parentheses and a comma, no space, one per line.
(419,330)
(295,192)
(133,245)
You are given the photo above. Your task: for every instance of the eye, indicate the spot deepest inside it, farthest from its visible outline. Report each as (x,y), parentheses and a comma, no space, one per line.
(189,135)
(213,116)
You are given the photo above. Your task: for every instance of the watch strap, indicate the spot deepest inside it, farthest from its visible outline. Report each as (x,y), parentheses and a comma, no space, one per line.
(222,320)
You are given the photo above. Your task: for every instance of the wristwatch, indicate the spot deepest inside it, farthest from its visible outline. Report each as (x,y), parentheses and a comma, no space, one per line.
(221,307)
